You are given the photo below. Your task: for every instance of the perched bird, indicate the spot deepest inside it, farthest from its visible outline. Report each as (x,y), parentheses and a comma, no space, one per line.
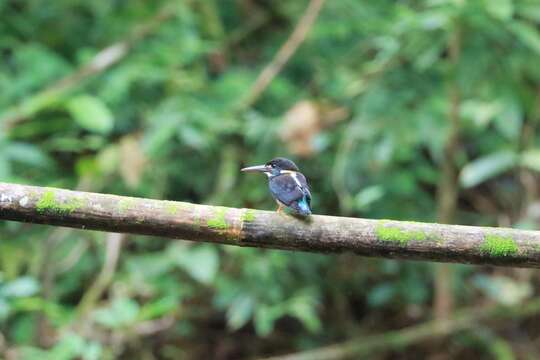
(287,184)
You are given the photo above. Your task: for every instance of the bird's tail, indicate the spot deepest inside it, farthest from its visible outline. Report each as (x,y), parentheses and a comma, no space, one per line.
(302,207)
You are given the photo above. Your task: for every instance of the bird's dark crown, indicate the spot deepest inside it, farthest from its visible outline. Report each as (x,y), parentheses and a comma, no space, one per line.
(282,164)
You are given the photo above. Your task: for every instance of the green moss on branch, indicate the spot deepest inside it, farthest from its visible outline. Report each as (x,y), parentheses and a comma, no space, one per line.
(48,204)
(218,221)
(403,237)
(497,245)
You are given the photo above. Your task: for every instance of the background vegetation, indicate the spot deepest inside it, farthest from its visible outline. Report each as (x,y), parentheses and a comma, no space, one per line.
(420,110)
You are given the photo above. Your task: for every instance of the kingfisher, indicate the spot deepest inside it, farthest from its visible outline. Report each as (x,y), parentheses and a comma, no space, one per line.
(287,184)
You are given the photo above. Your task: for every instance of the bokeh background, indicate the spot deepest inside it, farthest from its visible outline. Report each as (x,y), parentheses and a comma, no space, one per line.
(423,110)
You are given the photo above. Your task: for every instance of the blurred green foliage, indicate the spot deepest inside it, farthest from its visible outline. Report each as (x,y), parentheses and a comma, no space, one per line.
(165,120)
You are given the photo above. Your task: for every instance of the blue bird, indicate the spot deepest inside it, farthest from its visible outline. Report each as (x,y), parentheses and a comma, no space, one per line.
(287,184)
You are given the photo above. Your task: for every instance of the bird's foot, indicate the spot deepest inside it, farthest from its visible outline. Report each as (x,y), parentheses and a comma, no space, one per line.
(281,210)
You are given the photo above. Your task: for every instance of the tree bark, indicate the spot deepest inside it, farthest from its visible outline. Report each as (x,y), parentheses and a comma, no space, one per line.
(265,229)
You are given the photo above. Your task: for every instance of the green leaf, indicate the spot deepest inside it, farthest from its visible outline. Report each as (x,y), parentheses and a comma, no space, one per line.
(501,349)
(21,287)
(69,347)
(480,112)
(28,154)
(93,351)
(164,121)
(487,167)
(502,289)
(91,114)
(240,312)
(22,327)
(5,168)
(149,266)
(4,309)
(500,9)
(159,307)
(529,10)
(200,262)
(121,312)
(381,294)
(509,120)
(527,34)
(368,196)
(531,159)
(32,353)
(303,307)
(265,316)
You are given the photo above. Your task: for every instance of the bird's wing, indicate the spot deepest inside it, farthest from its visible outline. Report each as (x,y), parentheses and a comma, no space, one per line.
(287,189)
(304,186)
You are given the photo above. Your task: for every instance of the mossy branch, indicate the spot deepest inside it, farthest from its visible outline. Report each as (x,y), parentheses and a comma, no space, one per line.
(265,229)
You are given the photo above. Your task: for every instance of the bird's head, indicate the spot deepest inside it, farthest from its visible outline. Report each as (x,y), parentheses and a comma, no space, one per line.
(274,167)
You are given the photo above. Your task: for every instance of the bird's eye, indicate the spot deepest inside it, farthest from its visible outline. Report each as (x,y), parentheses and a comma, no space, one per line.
(272,165)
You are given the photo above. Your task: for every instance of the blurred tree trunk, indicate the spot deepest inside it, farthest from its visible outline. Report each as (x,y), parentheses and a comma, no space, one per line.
(448,187)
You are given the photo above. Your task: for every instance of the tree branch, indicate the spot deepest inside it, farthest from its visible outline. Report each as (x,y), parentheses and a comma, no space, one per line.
(366,345)
(264,229)
(103,280)
(284,54)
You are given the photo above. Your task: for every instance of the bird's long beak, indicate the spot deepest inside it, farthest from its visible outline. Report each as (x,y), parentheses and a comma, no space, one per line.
(257,168)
